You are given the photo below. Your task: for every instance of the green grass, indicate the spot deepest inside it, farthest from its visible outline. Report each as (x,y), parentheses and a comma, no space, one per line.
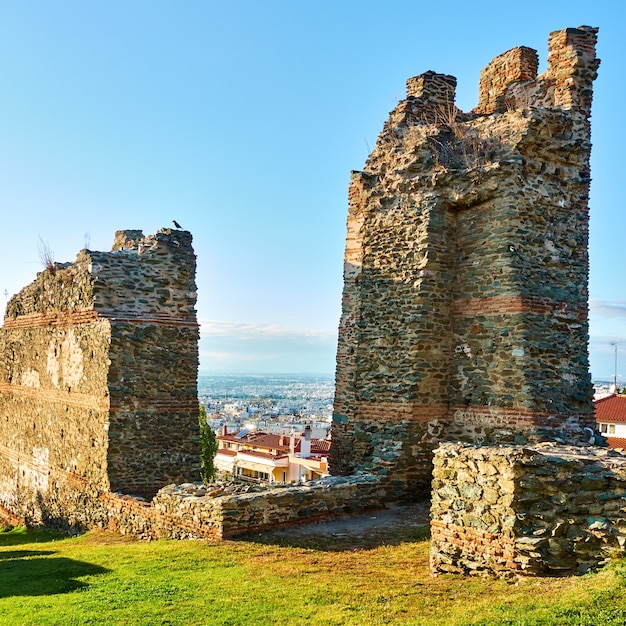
(101,578)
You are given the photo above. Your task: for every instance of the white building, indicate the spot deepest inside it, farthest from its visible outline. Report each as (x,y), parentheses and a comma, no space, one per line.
(267,457)
(611,419)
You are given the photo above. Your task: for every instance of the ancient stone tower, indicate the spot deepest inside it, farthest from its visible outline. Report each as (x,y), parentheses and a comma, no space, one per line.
(465,282)
(98,379)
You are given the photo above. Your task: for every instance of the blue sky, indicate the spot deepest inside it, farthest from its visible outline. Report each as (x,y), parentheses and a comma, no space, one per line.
(242,120)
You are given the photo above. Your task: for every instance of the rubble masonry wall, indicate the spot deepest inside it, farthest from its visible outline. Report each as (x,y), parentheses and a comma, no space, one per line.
(546,509)
(464,313)
(98,380)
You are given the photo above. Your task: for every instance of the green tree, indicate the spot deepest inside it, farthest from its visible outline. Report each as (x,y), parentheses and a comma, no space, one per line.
(208,448)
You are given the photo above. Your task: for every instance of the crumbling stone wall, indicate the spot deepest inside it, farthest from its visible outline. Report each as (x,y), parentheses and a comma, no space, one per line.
(214,512)
(546,509)
(465,279)
(98,380)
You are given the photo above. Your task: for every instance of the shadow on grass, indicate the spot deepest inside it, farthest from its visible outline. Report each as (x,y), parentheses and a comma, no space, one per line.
(22,554)
(19,536)
(35,572)
(28,575)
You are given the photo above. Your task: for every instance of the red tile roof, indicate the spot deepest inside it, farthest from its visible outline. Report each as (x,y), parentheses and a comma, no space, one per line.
(320,445)
(270,441)
(616,442)
(227,452)
(261,455)
(611,409)
(259,440)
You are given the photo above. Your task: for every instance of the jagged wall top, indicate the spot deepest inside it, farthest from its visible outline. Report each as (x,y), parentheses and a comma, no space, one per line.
(517,64)
(432,87)
(136,262)
(510,80)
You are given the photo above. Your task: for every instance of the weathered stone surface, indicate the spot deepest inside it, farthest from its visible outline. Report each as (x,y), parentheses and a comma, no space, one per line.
(225,515)
(98,380)
(537,533)
(464,312)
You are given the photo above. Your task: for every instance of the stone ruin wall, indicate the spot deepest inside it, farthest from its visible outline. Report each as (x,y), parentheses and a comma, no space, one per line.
(465,279)
(98,405)
(464,319)
(210,511)
(540,510)
(98,380)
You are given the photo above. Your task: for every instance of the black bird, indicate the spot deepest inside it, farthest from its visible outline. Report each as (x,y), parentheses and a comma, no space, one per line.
(177,225)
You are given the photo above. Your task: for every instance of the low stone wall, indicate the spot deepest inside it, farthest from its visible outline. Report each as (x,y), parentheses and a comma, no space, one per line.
(546,509)
(192,510)
(131,516)
(230,515)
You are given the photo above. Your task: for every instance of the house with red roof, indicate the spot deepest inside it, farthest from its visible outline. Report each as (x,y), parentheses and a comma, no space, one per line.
(268,457)
(611,419)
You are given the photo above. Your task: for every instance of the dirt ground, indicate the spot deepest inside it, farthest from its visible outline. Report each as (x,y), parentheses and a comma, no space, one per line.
(388,526)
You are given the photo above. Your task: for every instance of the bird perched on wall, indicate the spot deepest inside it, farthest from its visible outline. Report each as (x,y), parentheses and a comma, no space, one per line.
(177,224)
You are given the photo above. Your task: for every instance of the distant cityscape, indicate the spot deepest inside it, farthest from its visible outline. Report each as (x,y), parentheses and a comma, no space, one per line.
(273,403)
(280,403)
(605,387)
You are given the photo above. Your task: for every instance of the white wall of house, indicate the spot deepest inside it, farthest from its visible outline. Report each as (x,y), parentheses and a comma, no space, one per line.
(612,429)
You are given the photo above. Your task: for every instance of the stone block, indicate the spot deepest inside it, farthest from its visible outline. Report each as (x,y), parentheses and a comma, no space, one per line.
(550,535)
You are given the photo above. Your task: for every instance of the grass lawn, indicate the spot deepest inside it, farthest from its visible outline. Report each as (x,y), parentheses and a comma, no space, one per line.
(101,578)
